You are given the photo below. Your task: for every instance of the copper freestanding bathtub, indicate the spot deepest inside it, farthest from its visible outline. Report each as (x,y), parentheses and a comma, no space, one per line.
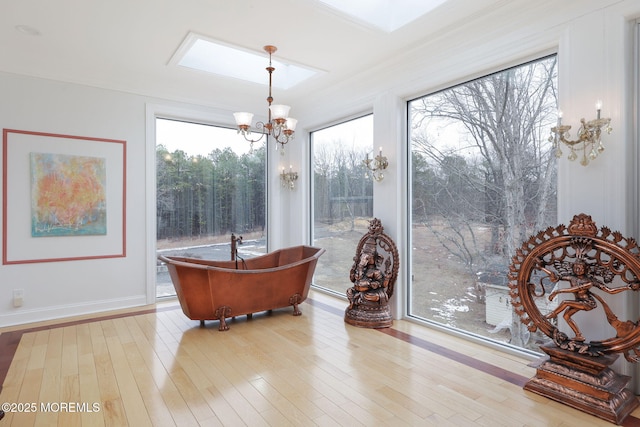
(217,290)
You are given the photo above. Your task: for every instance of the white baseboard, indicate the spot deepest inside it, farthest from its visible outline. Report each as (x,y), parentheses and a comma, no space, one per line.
(20,316)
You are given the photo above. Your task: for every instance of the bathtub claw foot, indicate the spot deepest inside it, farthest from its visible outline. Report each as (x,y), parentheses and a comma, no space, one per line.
(295,300)
(222,313)
(202,323)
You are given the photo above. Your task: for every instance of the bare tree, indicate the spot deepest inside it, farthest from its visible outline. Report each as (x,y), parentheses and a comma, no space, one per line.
(505,117)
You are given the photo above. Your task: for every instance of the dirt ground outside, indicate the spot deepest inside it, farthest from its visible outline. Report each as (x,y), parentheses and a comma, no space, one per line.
(441,289)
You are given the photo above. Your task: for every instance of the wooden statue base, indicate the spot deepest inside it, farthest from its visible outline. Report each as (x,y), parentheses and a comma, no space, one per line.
(583,382)
(369,317)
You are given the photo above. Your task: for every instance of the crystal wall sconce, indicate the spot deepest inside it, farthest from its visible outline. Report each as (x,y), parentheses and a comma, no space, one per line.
(376,166)
(589,137)
(288,179)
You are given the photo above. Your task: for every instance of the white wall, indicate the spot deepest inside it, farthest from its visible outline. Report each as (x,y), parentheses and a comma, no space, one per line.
(55,289)
(596,63)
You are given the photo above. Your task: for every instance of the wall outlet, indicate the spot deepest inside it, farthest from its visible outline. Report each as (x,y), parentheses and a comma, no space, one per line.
(18,297)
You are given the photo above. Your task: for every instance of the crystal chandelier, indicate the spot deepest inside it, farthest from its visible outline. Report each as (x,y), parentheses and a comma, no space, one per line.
(589,137)
(279,126)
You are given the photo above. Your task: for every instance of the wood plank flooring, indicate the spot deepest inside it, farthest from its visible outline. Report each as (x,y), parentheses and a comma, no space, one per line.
(155,367)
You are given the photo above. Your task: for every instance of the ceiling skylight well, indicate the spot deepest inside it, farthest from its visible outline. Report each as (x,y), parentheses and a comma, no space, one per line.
(203,54)
(388,15)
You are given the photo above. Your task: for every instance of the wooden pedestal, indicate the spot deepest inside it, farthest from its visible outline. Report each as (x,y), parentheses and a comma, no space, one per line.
(365,316)
(583,382)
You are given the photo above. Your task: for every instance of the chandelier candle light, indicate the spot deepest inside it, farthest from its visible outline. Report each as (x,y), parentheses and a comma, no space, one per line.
(288,178)
(589,137)
(376,165)
(279,125)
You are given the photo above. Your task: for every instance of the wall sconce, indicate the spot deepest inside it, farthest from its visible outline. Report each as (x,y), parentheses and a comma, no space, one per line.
(288,179)
(589,135)
(376,165)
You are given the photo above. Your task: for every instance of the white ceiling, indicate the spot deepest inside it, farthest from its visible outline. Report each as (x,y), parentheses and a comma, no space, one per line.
(128,45)
(388,15)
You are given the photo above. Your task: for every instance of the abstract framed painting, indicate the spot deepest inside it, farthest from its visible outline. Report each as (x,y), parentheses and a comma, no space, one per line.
(63,198)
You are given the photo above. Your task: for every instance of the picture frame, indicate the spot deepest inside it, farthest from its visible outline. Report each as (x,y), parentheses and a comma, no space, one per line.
(28,160)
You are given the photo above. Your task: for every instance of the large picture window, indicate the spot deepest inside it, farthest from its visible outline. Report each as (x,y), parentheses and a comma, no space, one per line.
(210,184)
(342,198)
(483,179)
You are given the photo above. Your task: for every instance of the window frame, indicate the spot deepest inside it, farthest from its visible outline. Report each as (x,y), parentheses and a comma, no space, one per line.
(312,189)
(408,288)
(198,116)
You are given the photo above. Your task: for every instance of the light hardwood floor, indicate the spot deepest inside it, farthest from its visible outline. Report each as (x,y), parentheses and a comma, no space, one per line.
(155,367)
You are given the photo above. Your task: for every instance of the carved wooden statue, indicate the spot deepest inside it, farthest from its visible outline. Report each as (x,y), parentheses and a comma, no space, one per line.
(585,264)
(373,274)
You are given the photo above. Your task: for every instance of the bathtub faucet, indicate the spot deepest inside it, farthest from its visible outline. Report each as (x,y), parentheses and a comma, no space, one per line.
(235,241)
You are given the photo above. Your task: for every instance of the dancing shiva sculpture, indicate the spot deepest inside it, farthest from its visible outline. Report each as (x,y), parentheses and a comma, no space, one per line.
(596,265)
(373,274)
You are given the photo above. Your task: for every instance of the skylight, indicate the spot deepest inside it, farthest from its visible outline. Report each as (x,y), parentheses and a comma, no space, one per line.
(203,54)
(388,15)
